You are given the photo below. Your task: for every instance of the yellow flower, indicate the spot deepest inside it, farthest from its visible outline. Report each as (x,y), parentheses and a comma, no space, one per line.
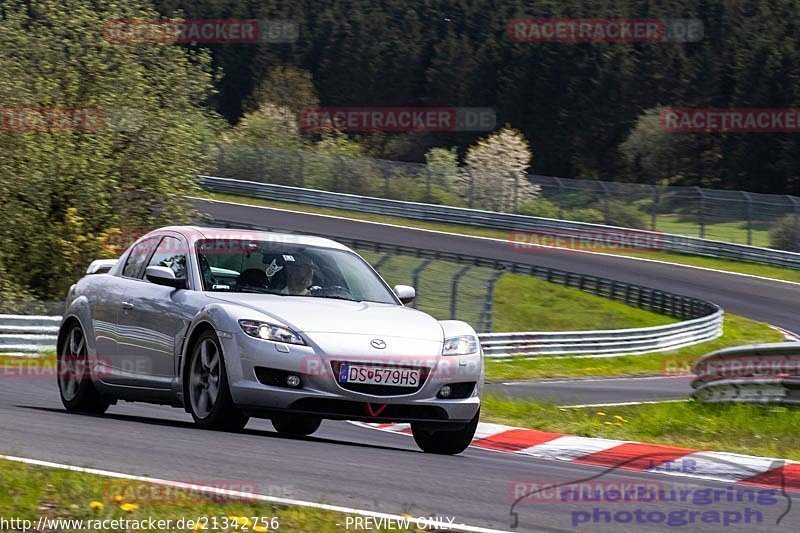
(128,507)
(600,413)
(620,418)
(608,423)
(260,529)
(561,409)
(242,520)
(97,506)
(118,498)
(199,525)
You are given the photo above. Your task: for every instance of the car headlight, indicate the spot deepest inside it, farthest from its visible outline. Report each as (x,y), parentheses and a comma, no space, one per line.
(270,332)
(462,345)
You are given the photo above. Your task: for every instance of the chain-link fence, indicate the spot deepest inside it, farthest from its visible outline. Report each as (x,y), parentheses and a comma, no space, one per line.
(767,220)
(445,289)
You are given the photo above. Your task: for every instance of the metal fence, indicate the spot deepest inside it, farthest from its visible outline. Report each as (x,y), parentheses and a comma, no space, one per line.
(729,216)
(658,301)
(757,373)
(512,223)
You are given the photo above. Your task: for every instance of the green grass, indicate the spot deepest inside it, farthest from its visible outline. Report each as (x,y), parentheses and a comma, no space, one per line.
(521,302)
(721,231)
(737,331)
(525,303)
(32,491)
(744,267)
(749,429)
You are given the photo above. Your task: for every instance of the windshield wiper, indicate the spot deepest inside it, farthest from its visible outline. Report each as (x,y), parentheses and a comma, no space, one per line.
(332,297)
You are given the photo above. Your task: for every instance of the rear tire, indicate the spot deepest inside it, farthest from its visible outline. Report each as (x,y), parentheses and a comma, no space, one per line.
(207,393)
(74,375)
(297,425)
(445,441)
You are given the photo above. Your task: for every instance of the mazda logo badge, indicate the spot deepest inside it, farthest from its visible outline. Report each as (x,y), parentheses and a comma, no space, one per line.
(378,343)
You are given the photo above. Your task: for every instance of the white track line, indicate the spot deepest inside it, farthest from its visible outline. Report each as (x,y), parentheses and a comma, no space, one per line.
(619,404)
(241,495)
(453,234)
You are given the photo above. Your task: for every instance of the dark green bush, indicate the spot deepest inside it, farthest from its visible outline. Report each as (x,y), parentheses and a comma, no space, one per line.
(782,235)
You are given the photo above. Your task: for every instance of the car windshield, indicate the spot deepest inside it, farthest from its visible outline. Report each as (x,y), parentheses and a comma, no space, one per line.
(246,266)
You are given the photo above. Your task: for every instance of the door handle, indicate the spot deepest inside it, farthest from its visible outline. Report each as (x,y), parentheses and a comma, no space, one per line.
(127,305)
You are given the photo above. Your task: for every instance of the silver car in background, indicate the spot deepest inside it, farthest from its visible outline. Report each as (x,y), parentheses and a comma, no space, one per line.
(231,324)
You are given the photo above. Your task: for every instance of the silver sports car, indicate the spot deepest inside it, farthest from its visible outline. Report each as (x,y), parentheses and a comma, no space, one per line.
(231,324)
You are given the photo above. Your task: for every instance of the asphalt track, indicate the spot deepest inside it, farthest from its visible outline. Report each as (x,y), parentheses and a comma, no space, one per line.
(769,301)
(346,465)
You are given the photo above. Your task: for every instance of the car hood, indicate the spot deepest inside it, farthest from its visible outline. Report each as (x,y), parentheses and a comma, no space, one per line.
(325,315)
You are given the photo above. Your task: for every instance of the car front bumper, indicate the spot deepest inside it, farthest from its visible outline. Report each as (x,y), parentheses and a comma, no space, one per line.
(322,395)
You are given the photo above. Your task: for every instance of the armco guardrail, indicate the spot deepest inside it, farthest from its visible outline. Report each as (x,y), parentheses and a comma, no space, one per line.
(757,373)
(501,221)
(606,342)
(700,320)
(32,334)
(28,333)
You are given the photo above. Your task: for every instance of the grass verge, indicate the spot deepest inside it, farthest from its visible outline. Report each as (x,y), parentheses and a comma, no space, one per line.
(521,302)
(31,492)
(738,428)
(743,267)
(737,331)
(525,303)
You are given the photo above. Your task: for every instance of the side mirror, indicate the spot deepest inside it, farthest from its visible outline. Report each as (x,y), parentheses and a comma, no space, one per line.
(405,293)
(163,276)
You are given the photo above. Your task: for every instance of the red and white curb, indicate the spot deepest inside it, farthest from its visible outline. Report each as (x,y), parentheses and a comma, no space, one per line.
(787,335)
(627,455)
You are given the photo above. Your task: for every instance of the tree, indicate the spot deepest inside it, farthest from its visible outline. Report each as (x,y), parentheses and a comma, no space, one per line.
(655,155)
(287,87)
(270,125)
(443,167)
(132,163)
(497,167)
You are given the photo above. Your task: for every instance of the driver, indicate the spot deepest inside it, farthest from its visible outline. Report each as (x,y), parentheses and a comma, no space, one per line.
(299,276)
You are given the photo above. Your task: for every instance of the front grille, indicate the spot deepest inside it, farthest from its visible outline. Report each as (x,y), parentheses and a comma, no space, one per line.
(381,390)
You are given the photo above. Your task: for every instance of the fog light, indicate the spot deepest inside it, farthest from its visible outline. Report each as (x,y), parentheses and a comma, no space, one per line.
(444,392)
(293,381)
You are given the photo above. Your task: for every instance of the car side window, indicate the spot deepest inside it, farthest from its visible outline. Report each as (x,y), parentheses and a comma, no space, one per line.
(171,253)
(134,266)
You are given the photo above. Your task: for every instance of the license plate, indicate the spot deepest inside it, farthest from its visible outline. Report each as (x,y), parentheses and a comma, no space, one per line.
(379,375)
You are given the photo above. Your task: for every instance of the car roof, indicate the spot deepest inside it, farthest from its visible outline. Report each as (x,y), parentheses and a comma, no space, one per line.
(194,233)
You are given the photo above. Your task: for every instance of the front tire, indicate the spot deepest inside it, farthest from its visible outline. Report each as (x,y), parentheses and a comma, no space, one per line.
(445,441)
(207,391)
(74,380)
(297,425)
